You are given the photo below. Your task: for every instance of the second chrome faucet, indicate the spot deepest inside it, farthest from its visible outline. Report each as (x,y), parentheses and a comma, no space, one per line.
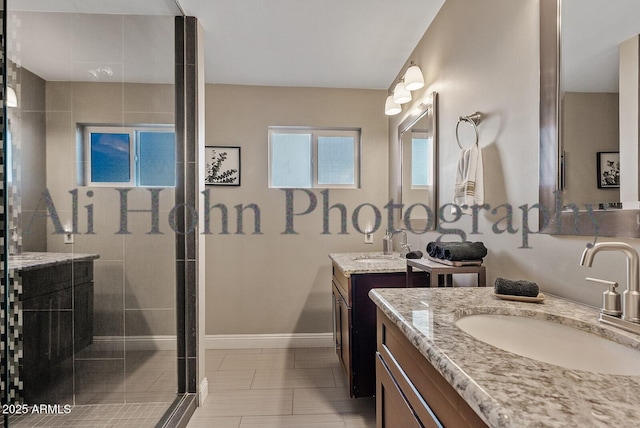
(631,296)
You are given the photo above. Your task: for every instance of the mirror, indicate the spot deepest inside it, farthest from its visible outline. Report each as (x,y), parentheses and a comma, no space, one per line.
(418,139)
(579,112)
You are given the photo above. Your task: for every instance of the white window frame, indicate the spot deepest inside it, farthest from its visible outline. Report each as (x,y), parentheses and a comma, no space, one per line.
(356,133)
(85,131)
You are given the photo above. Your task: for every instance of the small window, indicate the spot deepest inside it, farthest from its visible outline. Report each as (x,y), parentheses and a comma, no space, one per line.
(421,152)
(306,157)
(143,156)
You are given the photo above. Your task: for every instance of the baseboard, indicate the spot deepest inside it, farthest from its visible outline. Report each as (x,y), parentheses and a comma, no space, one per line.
(221,341)
(281,341)
(136,343)
(203,391)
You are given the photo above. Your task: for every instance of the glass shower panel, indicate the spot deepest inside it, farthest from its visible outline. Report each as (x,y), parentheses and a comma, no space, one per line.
(94,262)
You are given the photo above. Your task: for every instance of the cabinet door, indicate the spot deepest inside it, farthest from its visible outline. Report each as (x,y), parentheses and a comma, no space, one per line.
(337,330)
(342,326)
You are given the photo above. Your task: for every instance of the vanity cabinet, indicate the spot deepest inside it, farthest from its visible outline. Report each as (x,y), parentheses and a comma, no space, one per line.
(410,392)
(354,324)
(57,310)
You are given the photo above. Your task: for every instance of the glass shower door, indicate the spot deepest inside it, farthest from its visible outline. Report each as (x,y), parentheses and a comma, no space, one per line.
(91,276)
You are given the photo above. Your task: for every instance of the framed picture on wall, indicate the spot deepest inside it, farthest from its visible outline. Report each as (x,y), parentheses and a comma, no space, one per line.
(222,165)
(608,169)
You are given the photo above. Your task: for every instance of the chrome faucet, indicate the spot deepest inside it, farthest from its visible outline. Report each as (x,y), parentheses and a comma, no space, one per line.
(404,245)
(631,296)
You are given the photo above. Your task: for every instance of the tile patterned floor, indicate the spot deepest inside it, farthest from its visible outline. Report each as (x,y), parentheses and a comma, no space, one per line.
(263,388)
(279,388)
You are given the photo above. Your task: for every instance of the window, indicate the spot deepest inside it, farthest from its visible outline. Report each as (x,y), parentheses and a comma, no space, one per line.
(142,156)
(421,152)
(308,157)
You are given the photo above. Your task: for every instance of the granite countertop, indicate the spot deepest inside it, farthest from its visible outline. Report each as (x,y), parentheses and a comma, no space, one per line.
(39,260)
(376,262)
(505,389)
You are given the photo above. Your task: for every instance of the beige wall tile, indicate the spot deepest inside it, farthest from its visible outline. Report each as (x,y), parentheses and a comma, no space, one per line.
(108,309)
(150,322)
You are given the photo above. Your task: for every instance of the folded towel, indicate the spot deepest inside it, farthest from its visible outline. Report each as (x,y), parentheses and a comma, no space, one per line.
(516,288)
(457,251)
(432,249)
(414,254)
(469,185)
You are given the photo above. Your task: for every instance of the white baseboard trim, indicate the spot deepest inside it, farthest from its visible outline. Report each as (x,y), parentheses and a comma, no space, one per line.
(203,391)
(136,343)
(217,341)
(281,341)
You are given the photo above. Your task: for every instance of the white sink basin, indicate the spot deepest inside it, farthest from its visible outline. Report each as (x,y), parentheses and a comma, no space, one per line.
(376,258)
(552,343)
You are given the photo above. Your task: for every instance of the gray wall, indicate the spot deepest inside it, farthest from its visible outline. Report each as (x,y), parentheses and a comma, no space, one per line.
(484,56)
(275,283)
(589,125)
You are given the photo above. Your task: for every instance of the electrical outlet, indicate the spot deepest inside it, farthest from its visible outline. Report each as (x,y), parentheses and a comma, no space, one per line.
(368,237)
(68,238)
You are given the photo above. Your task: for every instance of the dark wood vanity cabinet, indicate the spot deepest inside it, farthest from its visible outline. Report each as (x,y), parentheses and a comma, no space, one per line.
(410,392)
(354,325)
(57,310)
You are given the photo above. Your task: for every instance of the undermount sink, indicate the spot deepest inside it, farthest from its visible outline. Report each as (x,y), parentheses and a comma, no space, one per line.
(552,343)
(376,258)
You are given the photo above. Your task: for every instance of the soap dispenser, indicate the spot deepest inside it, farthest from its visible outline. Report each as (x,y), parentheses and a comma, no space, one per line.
(610,299)
(387,243)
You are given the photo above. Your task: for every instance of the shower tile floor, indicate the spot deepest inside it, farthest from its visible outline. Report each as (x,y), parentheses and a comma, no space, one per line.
(98,415)
(113,389)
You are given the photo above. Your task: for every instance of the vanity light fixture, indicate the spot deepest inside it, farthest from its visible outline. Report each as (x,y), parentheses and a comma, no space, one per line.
(400,94)
(391,108)
(12,99)
(413,78)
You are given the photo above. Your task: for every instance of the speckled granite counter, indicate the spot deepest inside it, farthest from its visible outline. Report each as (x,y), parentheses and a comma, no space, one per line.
(37,260)
(505,389)
(373,262)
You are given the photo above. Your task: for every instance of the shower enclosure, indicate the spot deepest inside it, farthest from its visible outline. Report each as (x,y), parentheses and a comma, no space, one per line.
(93,306)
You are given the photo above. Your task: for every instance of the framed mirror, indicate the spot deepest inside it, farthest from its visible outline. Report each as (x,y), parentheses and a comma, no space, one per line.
(418,137)
(585,101)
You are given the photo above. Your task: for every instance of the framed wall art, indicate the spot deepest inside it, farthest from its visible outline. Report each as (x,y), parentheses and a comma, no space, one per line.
(608,164)
(222,165)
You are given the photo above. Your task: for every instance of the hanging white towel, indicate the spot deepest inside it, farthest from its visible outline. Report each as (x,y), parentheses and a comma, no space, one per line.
(469,186)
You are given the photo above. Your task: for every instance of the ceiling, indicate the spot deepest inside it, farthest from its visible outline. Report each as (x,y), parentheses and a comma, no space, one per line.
(311,43)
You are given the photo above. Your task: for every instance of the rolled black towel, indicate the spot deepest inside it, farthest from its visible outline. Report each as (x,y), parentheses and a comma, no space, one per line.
(414,254)
(459,251)
(432,249)
(516,288)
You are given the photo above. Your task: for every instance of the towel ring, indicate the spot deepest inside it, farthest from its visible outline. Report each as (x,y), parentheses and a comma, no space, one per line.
(474,119)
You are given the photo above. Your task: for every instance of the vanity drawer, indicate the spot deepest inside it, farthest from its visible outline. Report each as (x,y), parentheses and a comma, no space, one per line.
(392,408)
(424,383)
